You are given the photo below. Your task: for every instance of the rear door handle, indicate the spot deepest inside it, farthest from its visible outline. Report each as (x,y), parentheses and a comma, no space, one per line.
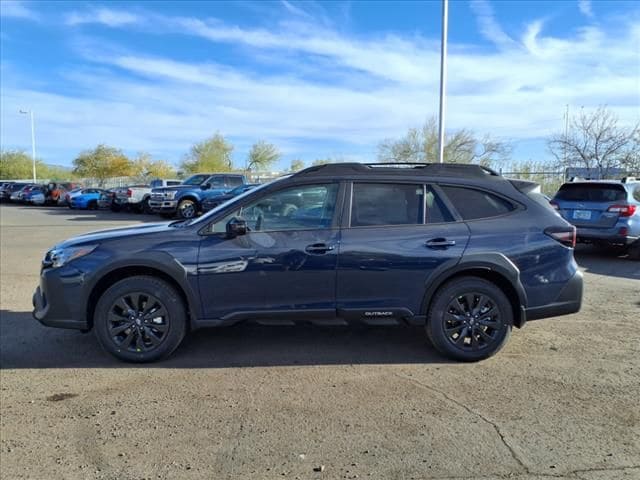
(440,243)
(319,248)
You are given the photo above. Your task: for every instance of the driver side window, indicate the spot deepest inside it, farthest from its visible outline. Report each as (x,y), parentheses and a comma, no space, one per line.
(306,207)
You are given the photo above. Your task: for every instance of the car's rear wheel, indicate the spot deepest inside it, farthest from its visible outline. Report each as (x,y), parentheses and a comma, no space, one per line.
(470,319)
(140,319)
(634,250)
(187,209)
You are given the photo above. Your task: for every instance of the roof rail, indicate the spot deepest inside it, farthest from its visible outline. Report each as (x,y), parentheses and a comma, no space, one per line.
(628,179)
(444,169)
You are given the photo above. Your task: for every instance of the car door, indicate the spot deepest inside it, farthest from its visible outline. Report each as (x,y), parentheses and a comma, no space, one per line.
(286,262)
(395,235)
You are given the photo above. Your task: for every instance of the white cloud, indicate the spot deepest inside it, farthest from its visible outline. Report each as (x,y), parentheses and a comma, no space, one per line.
(16,9)
(585,8)
(488,25)
(103,16)
(330,89)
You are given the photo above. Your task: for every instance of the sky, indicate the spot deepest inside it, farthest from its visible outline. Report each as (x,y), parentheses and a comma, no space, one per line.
(317,79)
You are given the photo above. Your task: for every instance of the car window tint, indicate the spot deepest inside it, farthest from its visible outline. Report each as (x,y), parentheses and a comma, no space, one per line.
(216,182)
(386,204)
(636,193)
(295,208)
(471,203)
(591,192)
(234,181)
(436,210)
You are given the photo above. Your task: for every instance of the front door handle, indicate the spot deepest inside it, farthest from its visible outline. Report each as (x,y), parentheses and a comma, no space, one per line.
(440,243)
(319,248)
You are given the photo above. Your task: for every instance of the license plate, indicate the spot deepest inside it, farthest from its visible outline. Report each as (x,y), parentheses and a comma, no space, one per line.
(582,214)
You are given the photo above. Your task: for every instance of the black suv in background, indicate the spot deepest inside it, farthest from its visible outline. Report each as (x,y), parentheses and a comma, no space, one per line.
(457,248)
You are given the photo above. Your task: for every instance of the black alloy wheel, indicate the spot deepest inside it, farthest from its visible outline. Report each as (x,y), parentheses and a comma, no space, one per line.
(140,319)
(469,319)
(138,322)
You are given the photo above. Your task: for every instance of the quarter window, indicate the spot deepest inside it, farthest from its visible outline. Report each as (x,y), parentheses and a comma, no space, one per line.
(307,207)
(636,193)
(472,204)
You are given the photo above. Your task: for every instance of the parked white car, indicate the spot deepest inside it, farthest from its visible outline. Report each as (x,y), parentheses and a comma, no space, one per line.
(136,197)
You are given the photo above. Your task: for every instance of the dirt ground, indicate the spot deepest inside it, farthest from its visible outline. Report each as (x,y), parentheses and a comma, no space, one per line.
(255,402)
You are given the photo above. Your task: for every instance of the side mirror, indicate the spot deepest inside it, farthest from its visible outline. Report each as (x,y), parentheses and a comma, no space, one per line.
(236,227)
(205,186)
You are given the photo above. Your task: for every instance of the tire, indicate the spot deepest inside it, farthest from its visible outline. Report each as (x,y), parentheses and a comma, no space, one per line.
(634,250)
(146,208)
(457,315)
(92,205)
(127,335)
(187,209)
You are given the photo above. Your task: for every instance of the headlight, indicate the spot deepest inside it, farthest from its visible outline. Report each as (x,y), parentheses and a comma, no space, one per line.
(170,194)
(58,257)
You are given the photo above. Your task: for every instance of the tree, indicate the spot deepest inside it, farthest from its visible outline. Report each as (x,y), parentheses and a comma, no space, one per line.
(296,165)
(210,155)
(421,145)
(145,168)
(595,140)
(262,155)
(101,163)
(15,164)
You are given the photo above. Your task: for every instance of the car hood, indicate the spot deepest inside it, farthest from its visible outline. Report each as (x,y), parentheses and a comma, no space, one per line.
(175,187)
(114,233)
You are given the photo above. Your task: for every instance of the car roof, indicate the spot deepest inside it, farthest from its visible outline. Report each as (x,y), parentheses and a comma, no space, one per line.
(399,170)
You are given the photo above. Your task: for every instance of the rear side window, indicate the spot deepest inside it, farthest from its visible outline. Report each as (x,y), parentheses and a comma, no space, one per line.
(234,181)
(472,204)
(375,204)
(636,193)
(591,192)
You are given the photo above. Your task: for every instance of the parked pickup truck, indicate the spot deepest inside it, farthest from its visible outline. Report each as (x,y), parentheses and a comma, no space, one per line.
(136,197)
(186,199)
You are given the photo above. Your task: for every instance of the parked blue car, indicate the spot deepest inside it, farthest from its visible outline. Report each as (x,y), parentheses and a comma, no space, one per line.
(605,212)
(87,199)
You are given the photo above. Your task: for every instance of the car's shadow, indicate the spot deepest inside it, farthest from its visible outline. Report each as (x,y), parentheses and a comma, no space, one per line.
(609,262)
(25,343)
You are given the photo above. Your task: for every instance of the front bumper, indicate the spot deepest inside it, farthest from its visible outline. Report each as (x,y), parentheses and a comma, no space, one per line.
(568,301)
(163,205)
(56,301)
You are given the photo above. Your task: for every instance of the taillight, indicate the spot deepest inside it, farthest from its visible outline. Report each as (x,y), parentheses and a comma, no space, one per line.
(622,210)
(129,192)
(565,235)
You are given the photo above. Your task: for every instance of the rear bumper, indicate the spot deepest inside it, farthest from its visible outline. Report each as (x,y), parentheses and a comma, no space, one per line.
(607,235)
(568,301)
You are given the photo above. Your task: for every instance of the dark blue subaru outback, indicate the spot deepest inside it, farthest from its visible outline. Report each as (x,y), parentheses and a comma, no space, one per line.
(457,248)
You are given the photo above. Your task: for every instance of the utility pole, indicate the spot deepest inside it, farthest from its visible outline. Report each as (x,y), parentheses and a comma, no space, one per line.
(443,78)
(33,141)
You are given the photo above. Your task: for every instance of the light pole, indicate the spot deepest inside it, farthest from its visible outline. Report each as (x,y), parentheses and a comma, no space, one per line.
(33,141)
(443,78)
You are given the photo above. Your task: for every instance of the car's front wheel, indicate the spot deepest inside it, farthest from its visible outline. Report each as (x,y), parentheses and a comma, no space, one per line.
(470,319)
(140,319)
(187,209)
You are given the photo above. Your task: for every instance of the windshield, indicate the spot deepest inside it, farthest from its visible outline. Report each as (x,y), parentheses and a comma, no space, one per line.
(205,218)
(195,179)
